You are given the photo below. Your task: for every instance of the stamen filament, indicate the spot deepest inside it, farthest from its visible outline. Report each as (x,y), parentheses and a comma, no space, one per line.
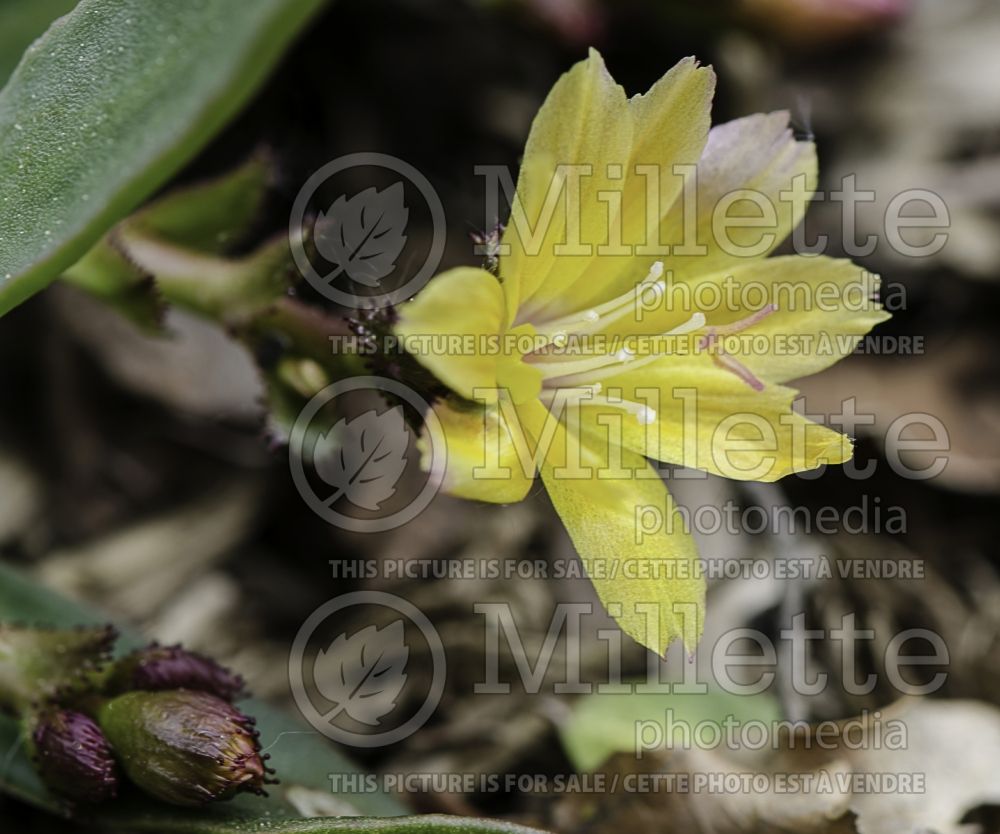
(589,371)
(606,313)
(724,360)
(642,413)
(602,367)
(742,324)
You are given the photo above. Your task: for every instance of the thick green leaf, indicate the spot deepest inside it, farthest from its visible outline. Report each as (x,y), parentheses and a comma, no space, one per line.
(303,761)
(107,105)
(21,21)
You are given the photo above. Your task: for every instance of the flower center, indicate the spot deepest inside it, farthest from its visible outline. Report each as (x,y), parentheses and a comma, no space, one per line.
(579,329)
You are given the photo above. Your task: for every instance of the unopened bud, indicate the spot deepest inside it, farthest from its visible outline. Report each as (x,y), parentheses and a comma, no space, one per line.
(42,663)
(156,668)
(72,755)
(184,747)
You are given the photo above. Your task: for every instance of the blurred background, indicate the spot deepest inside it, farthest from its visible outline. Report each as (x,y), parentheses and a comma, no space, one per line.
(137,473)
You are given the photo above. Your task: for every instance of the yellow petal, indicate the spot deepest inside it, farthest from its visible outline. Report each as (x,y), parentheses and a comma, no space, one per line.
(746,167)
(670,128)
(587,121)
(482,461)
(756,154)
(650,582)
(446,325)
(521,381)
(708,418)
(824,310)
(583,122)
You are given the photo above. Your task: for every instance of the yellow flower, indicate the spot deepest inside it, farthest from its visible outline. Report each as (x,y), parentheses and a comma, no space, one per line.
(641,321)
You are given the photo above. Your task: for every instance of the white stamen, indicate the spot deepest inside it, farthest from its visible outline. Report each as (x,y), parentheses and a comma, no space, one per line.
(601,367)
(647,416)
(643,414)
(696,322)
(586,372)
(609,311)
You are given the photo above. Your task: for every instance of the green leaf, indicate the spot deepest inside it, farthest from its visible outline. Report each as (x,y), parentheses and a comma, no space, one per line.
(228,290)
(21,21)
(303,760)
(106,274)
(603,724)
(208,216)
(110,103)
(180,231)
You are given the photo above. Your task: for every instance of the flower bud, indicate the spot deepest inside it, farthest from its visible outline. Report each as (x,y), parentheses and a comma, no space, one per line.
(72,755)
(184,747)
(42,663)
(158,667)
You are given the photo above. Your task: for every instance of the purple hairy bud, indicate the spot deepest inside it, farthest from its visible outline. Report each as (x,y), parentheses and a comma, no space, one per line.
(73,756)
(156,668)
(184,747)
